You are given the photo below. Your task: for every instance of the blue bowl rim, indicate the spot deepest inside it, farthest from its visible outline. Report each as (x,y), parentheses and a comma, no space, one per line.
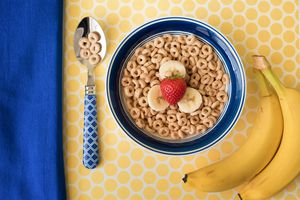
(237,57)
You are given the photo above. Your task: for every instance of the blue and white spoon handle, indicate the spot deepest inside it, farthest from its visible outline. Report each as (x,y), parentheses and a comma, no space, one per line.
(90,130)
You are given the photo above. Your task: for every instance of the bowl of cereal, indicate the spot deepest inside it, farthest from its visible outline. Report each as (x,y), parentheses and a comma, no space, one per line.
(176,85)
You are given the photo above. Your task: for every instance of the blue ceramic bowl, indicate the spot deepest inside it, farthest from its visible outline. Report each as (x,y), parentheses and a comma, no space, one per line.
(231,62)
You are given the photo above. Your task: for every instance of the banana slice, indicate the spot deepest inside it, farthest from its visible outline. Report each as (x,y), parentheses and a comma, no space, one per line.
(156,100)
(170,68)
(191,100)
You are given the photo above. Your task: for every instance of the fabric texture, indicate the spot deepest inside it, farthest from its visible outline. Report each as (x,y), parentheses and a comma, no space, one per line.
(31,153)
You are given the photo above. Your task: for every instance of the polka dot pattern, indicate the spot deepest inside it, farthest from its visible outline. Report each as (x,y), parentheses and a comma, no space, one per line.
(128,171)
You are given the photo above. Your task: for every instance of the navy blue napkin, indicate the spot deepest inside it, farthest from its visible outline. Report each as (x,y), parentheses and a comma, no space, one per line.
(31,156)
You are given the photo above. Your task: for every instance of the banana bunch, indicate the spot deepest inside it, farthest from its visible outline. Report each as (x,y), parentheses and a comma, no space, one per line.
(269,159)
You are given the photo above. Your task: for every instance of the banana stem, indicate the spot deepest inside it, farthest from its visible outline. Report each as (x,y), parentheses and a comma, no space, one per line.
(184,179)
(261,63)
(240,196)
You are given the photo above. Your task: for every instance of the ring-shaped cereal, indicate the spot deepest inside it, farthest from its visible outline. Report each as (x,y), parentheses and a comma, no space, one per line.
(157,124)
(201,63)
(225,79)
(192,60)
(174,52)
(216,84)
(182,122)
(180,134)
(181,39)
(222,96)
(190,39)
(195,77)
(215,113)
(201,128)
(85,53)
(215,104)
(126,81)
(150,130)
(192,130)
(159,42)
(219,74)
(154,51)
(140,123)
(205,79)
(212,66)
(161,117)
(150,121)
(201,55)
(171,118)
(194,119)
(154,82)
(206,49)
(184,47)
(146,52)
(194,83)
(150,45)
(175,45)
(212,118)
(185,129)
(174,135)
(138,51)
(135,72)
(141,59)
(84,43)
(206,111)
(167,46)
(143,102)
(168,37)
(135,113)
(156,58)
(142,83)
(180,116)
(164,132)
(173,126)
(94,59)
(198,43)
(208,122)
(129,91)
(185,61)
(163,52)
(94,37)
(138,92)
(212,92)
(193,50)
(209,57)
(185,53)
(130,65)
(135,83)
(95,47)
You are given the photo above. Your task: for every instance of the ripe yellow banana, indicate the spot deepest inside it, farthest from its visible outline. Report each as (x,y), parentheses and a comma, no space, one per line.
(253,156)
(285,166)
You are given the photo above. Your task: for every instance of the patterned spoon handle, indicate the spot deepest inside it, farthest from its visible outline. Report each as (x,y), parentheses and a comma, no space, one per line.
(90,130)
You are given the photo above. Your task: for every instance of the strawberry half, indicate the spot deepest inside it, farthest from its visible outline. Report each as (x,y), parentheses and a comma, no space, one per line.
(173,89)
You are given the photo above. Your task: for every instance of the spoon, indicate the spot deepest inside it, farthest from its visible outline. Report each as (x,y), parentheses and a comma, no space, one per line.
(90,131)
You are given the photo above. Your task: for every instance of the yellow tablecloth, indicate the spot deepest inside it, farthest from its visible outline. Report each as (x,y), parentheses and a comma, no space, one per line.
(128,171)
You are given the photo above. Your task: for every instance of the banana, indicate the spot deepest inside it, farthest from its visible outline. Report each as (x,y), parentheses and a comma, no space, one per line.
(191,100)
(171,68)
(253,156)
(156,100)
(285,166)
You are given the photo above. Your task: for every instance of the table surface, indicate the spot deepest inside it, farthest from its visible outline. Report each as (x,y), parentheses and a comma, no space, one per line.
(128,171)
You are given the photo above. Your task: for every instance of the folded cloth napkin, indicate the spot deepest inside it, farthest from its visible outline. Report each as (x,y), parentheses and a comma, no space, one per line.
(31,156)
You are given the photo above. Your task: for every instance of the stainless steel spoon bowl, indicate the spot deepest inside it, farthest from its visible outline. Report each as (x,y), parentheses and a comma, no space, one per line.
(90,132)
